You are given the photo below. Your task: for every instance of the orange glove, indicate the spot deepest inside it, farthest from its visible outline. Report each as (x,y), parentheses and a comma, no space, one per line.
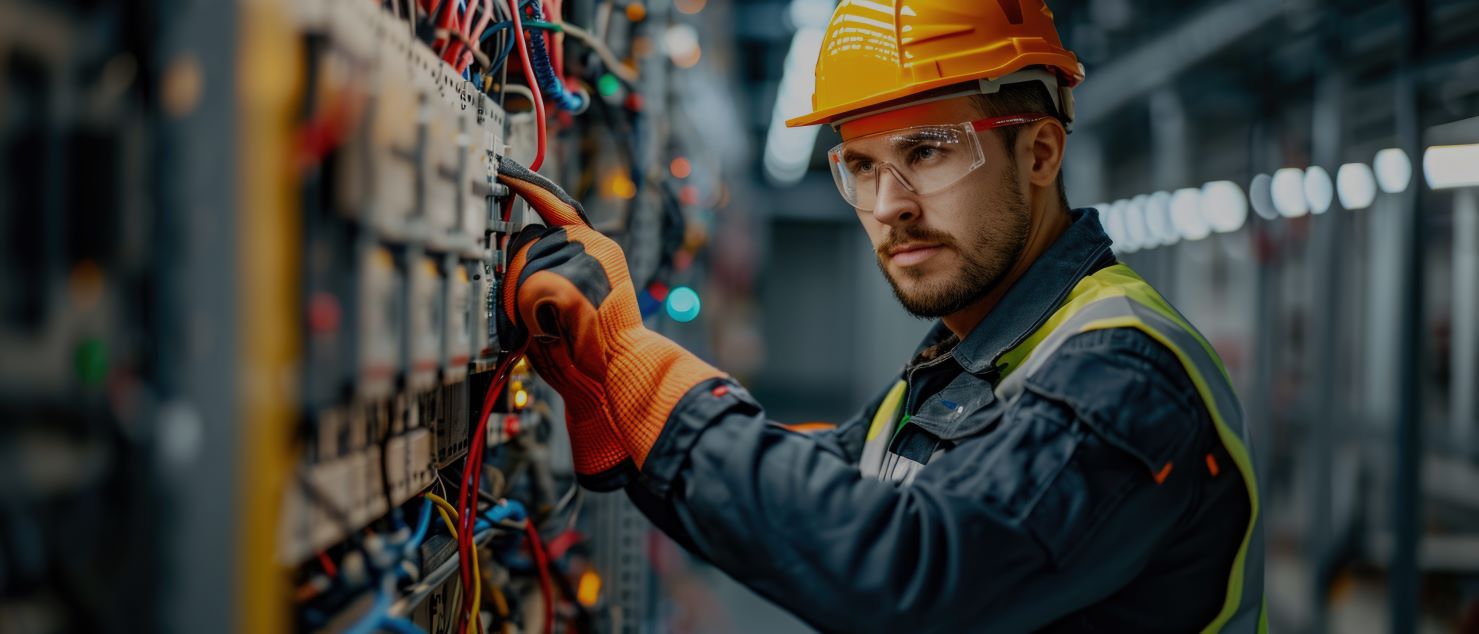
(568,285)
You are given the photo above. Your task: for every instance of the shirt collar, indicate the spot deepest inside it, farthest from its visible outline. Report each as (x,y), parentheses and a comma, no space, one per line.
(1082,249)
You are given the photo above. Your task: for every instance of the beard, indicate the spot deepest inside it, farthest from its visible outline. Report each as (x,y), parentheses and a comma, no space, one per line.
(987,254)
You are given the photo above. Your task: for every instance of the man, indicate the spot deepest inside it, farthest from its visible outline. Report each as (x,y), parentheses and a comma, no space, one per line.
(1064,453)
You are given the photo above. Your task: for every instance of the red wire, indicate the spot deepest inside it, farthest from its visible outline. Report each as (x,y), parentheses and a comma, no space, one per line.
(546,587)
(467,497)
(328,564)
(552,12)
(475,34)
(523,45)
(448,18)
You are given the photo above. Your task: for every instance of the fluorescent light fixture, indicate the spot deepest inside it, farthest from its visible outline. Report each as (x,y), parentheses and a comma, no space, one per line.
(1355,186)
(1319,192)
(1287,190)
(1393,170)
(1260,195)
(1224,206)
(788,150)
(1450,166)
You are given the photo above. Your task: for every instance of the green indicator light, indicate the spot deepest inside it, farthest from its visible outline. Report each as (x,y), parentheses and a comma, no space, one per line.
(608,84)
(92,361)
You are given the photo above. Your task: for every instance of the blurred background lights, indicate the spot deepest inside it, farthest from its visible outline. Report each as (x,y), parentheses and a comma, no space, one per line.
(1158,225)
(1355,186)
(788,150)
(681,43)
(682,304)
(1133,225)
(1261,196)
(1450,166)
(1157,206)
(1111,223)
(1186,213)
(1224,206)
(1288,192)
(636,12)
(608,85)
(1318,191)
(1393,170)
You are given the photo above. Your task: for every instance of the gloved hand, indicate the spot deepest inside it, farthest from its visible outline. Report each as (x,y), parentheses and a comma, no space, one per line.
(568,287)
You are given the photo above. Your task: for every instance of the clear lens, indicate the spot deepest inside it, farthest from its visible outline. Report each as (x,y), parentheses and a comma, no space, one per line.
(923,160)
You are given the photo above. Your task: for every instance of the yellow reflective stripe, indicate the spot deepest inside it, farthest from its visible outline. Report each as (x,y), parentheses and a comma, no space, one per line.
(1231,440)
(1117,280)
(1136,288)
(1087,291)
(886,410)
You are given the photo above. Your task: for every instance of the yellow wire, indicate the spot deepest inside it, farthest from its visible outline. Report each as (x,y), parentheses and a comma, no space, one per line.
(442,503)
(451,526)
(449,513)
(500,603)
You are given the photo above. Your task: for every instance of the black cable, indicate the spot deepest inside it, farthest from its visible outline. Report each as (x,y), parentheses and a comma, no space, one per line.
(385,433)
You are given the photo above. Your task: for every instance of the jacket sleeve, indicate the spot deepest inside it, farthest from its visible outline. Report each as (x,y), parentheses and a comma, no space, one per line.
(847,438)
(1056,509)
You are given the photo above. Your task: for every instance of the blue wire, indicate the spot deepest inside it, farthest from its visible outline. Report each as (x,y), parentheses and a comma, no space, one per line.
(494,28)
(370,622)
(552,87)
(378,617)
(422,524)
(508,510)
(400,626)
(508,45)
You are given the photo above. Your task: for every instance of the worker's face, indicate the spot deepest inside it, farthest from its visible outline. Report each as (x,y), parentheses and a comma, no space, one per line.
(943,251)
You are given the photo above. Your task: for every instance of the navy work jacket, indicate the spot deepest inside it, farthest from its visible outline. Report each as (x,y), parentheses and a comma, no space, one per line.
(1019,520)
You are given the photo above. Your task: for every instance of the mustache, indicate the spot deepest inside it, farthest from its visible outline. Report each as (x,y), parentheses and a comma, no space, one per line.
(913,234)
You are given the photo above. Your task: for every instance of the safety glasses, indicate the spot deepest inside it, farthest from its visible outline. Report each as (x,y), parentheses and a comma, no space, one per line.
(925,159)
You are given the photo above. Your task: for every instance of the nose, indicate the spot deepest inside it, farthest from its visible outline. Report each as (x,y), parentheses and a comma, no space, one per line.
(894,205)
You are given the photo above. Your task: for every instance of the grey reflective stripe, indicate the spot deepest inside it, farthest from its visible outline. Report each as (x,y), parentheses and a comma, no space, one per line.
(874,450)
(900,470)
(1248,615)
(1108,308)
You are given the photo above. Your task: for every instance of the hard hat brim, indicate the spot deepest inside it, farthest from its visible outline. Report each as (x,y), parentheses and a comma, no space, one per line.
(860,106)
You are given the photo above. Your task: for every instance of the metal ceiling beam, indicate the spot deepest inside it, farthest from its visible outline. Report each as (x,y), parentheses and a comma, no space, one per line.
(1136,74)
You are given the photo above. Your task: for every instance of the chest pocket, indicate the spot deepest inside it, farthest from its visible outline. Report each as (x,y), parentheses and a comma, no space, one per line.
(964,408)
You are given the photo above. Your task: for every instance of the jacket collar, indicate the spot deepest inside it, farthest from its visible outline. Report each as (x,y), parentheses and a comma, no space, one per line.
(1082,249)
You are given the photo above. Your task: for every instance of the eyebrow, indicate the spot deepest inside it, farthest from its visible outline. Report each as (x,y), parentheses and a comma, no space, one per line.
(899,144)
(849,155)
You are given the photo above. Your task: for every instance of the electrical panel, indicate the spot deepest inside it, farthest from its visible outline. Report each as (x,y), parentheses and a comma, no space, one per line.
(250,279)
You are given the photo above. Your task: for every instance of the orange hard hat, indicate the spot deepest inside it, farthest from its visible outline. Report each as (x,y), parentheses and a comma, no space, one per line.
(878,52)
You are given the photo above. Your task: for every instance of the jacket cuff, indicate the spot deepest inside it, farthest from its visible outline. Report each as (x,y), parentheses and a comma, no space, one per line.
(705,404)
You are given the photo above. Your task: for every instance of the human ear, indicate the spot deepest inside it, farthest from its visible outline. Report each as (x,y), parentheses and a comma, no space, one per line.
(1043,145)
